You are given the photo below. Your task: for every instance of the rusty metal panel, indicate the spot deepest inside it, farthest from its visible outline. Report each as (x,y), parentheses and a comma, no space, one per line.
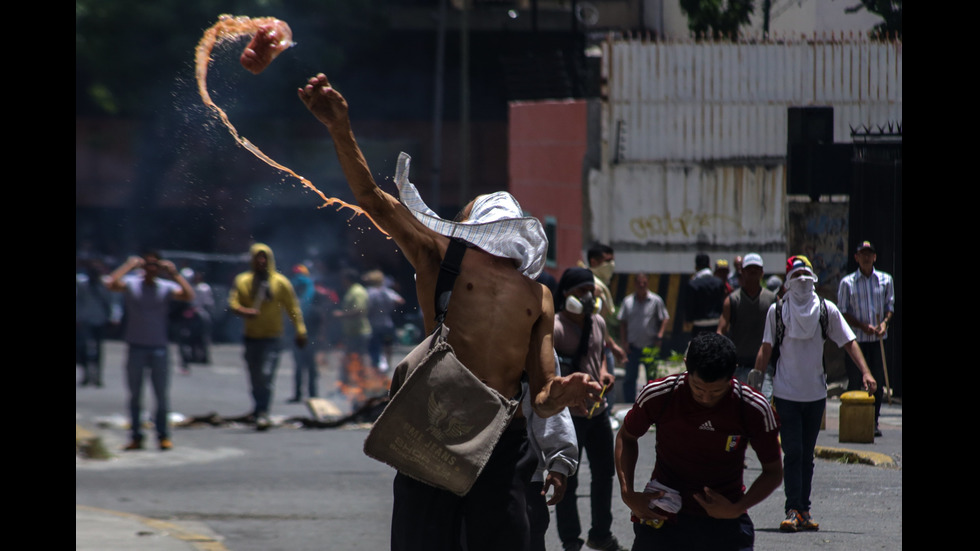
(706,101)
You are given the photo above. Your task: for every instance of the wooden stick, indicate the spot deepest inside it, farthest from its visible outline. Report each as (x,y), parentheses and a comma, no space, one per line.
(884,365)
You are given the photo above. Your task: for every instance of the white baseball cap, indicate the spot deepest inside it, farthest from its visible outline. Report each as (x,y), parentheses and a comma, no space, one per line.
(752,259)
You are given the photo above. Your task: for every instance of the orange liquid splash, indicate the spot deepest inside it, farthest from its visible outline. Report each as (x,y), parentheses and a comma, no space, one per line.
(231,27)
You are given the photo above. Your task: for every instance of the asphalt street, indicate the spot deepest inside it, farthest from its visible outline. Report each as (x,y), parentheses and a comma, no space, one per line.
(857,494)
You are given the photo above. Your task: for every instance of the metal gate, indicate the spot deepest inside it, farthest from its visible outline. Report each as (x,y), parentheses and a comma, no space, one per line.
(876,215)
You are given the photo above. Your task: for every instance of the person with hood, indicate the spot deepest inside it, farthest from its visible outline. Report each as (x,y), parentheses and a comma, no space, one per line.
(796,327)
(501,322)
(305,370)
(262,295)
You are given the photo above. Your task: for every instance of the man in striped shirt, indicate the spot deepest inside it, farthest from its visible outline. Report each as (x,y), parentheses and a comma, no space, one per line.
(866,298)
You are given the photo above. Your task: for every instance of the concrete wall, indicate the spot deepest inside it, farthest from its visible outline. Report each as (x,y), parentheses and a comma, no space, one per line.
(548,142)
(818,230)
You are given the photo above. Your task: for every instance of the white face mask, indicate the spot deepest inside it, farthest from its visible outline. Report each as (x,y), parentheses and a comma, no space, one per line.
(574,305)
(802,287)
(605,271)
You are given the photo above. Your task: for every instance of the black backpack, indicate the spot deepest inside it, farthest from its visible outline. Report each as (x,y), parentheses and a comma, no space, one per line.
(781,328)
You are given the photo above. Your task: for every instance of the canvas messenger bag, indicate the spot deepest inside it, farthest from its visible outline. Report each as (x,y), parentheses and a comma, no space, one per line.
(441,423)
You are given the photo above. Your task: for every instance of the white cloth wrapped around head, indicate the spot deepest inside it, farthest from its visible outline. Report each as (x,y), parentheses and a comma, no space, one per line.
(496,224)
(492,207)
(801,312)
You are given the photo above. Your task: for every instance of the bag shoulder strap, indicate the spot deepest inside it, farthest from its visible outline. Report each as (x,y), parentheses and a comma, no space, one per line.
(823,318)
(777,339)
(448,271)
(781,328)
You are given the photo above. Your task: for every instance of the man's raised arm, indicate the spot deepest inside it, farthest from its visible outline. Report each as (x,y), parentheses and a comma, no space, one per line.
(330,108)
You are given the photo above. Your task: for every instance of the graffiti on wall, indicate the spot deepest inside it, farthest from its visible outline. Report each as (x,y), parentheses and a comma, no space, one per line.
(819,231)
(686,224)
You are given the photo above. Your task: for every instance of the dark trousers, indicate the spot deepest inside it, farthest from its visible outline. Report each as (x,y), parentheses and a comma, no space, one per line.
(596,438)
(872,356)
(305,370)
(799,426)
(537,515)
(88,351)
(632,371)
(691,533)
(491,517)
(262,361)
(154,360)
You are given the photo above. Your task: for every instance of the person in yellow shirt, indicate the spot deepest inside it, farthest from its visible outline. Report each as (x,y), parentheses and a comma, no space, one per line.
(353,316)
(261,296)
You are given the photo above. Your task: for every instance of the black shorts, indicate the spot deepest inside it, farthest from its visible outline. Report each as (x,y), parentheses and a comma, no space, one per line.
(695,533)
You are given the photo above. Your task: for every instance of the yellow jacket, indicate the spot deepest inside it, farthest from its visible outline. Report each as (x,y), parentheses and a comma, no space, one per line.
(274,296)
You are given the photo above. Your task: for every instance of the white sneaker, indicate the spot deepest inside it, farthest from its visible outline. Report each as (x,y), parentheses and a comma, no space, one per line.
(262,423)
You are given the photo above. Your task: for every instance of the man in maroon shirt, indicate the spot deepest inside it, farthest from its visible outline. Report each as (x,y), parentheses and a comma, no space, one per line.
(705,420)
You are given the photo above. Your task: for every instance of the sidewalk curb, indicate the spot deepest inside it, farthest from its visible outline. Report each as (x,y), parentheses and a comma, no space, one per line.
(868,458)
(193,538)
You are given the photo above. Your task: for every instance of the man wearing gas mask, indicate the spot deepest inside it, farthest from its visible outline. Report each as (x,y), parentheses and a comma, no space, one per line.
(578,338)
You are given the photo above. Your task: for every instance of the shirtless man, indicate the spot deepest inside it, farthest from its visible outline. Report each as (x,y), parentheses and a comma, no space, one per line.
(501,323)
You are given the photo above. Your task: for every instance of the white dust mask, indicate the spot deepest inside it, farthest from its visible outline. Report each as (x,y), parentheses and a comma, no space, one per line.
(801,287)
(605,271)
(574,305)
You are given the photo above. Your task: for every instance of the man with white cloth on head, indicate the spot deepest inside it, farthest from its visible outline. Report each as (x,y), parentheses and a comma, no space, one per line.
(501,323)
(799,386)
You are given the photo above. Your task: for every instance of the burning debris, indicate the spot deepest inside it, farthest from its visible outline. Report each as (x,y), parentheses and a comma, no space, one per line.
(363,383)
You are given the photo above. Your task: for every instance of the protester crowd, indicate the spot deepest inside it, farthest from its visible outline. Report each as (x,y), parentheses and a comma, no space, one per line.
(192,326)
(358,312)
(547,347)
